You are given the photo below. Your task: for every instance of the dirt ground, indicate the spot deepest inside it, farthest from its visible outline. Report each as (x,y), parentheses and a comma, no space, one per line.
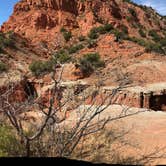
(140,136)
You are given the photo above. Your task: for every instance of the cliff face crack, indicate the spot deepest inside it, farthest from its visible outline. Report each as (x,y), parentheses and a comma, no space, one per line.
(30,90)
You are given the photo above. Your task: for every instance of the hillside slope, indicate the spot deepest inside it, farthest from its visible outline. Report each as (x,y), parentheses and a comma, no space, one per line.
(41,20)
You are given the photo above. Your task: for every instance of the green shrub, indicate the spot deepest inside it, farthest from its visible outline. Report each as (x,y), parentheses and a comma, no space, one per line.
(63,30)
(9,144)
(124,29)
(66,34)
(128,18)
(154,35)
(137,40)
(108,27)
(76,48)
(61,56)
(104,29)
(3,67)
(142,33)
(92,43)
(7,40)
(149,46)
(93,34)
(40,67)
(118,34)
(89,63)
(132,12)
(154,47)
(1,49)
(163,42)
(128,1)
(82,38)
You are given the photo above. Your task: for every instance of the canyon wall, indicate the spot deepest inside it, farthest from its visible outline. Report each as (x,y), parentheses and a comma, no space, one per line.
(41,20)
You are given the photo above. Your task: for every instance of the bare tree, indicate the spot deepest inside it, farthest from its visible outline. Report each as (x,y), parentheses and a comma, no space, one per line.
(60,134)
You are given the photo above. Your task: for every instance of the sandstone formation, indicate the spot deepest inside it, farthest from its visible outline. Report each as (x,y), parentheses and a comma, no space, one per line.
(37,25)
(40,20)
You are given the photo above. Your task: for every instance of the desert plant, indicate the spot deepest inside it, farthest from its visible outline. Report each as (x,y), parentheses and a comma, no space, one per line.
(154,35)
(132,12)
(1,50)
(154,47)
(93,34)
(66,34)
(90,62)
(142,33)
(81,38)
(3,67)
(61,56)
(95,31)
(75,48)
(163,41)
(137,40)
(9,143)
(40,67)
(91,43)
(7,40)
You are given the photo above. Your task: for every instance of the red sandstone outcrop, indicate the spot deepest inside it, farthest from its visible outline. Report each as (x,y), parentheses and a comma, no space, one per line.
(39,20)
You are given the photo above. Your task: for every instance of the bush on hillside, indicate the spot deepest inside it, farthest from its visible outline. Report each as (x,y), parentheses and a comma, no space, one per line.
(94,32)
(154,35)
(154,47)
(9,144)
(89,63)
(3,67)
(75,48)
(142,33)
(92,43)
(40,67)
(61,56)
(82,38)
(66,34)
(132,12)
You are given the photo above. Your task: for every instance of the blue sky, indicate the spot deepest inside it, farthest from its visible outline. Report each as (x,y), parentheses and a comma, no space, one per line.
(6,7)
(159,5)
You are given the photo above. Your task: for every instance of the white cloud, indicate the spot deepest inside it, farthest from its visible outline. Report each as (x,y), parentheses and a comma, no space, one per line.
(159,5)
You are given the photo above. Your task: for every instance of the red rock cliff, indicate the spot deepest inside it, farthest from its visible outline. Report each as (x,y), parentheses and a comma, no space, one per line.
(40,20)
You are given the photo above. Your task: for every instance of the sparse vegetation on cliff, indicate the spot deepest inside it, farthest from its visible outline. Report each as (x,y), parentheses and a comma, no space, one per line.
(94,32)
(40,67)
(3,67)
(66,34)
(9,144)
(89,63)
(7,40)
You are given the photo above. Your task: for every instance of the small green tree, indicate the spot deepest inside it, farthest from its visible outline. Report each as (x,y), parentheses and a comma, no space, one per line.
(66,34)
(154,35)
(9,144)
(3,67)
(40,67)
(132,12)
(93,34)
(75,48)
(82,38)
(61,56)
(89,63)
(92,43)
(154,47)
(142,33)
